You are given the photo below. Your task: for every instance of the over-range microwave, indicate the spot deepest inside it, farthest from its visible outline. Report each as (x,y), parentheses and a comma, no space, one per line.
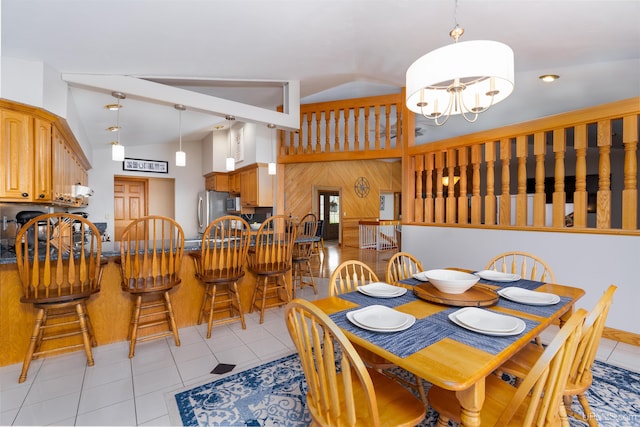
(233,204)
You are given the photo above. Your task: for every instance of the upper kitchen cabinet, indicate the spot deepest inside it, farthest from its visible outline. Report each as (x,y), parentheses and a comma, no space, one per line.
(256,186)
(234,183)
(39,156)
(216,181)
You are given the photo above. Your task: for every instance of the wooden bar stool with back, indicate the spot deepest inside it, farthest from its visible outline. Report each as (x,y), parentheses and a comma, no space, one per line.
(219,266)
(302,252)
(270,258)
(151,251)
(60,267)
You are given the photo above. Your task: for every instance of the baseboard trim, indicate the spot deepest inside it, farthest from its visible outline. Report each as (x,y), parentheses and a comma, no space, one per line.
(622,336)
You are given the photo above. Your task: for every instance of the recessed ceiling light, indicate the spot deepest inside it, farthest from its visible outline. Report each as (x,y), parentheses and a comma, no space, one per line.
(113,107)
(549,77)
(113,128)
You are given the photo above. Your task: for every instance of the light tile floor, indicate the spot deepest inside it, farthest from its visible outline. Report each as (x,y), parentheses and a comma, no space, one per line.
(117,390)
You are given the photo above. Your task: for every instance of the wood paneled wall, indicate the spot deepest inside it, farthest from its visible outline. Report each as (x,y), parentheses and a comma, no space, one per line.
(302,178)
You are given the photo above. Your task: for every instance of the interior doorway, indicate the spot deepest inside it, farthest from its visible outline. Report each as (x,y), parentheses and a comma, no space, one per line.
(328,202)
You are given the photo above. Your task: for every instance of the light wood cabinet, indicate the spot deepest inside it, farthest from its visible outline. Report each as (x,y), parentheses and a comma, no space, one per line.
(216,181)
(25,154)
(234,183)
(256,187)
(39,157)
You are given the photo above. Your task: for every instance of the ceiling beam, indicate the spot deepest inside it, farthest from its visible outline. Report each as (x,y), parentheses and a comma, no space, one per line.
(164,94)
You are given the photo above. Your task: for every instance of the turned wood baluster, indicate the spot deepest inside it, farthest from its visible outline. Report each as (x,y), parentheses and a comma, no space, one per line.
(336,131)
(376,115)
(418,201)
(439,202)
(367,132)
(356,129)
(463,203)
(559,197)
(319,120)
(327,133)
(450,199)
(490,198)
(521,196)
(580,196)
(505,199)
(630,191)
(347,143)
(387,127)
(603,216)
(539,197)
(429,200)
(476,199)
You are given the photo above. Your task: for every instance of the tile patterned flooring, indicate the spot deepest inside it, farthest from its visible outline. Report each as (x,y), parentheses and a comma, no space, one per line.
(62,390)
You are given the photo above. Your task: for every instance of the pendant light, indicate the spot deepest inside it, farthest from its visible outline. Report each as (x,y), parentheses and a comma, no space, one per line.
(231,161)
(117,150)
(272,165)
(181,156)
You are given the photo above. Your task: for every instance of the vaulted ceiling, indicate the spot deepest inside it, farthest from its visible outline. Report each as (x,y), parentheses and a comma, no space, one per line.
(241,50)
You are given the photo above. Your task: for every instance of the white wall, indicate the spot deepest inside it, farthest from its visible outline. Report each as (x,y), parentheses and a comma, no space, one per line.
(188,181)
(588,261)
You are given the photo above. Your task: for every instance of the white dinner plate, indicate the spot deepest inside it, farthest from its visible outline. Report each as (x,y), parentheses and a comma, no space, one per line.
(379,318)
(420,276)
(497,276)
(382,290)
(487,322)
(525,296)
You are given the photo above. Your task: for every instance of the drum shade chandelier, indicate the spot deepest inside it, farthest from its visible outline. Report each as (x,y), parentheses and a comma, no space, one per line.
(181,156)
(117,150)
(464,78)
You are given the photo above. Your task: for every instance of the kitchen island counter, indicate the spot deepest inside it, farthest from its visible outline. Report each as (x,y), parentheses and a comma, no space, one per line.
(110,309)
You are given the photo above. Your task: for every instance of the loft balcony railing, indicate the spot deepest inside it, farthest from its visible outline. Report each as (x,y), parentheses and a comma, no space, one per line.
(363,128)
(576,171)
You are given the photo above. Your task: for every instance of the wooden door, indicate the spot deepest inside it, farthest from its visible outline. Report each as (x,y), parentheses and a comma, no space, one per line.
(329,211)
(129,202)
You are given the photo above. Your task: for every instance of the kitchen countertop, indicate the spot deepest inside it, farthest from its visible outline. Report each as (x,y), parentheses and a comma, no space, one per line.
(109,249)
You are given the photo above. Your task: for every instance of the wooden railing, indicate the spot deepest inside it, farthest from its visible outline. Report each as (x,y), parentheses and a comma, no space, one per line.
(363,128)
(574,171)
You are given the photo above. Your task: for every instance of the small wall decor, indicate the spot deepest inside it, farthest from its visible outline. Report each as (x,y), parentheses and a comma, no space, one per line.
(142,165)
(361,187)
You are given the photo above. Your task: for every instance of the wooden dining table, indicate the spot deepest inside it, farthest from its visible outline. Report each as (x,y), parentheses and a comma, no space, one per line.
(440,351)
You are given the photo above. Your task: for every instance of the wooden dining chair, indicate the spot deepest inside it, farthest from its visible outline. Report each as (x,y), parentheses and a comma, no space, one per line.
(346,278)
(537,400)
(219,265)
(60,268)
(527,265)
(151,252)
(349,275)
(270,258)
(302,249)
(580,377)
(342,391)
(402,265)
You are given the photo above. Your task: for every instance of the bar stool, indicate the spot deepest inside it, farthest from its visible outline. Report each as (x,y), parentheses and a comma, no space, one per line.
(151,251)
(270,259)
(302,249)
(220,266)
(60,267)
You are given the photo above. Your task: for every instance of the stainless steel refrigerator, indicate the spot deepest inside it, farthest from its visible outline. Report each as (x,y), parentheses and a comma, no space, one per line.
(211,205)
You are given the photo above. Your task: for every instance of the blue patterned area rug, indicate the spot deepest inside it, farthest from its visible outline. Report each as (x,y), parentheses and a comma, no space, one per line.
(273,394)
